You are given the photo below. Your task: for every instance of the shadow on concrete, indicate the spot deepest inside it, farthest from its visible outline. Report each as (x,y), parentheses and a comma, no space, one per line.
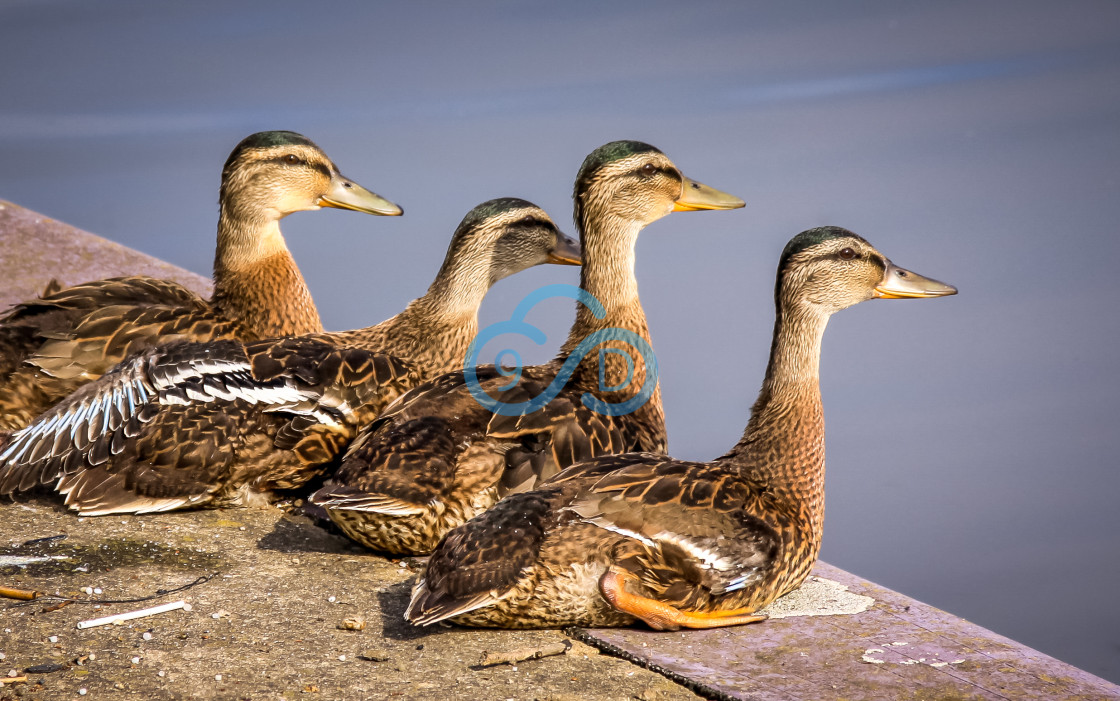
(298,534)
(392,601)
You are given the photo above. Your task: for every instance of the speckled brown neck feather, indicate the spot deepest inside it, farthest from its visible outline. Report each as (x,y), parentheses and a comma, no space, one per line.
(257,282)
(434,331)
(783,444)
(608,275)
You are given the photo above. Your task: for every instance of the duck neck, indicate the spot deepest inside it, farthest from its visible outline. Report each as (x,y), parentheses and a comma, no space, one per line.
(783,444)
(608,275)
(256,281)
(434,331)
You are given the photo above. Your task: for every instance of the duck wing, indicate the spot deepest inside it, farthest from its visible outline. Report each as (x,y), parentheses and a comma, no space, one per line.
(211,412)
(479,563)
(691,524)
(407,460)
(51,345)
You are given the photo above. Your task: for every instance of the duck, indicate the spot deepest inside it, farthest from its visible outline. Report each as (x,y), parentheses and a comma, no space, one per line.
(445,452)
(226,423)
(674,543)
(51,345)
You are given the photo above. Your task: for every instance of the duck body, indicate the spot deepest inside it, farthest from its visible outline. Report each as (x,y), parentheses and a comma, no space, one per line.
(439,456)
(688,529)
(644,537)
(52,345)
(226,422)
(442,458)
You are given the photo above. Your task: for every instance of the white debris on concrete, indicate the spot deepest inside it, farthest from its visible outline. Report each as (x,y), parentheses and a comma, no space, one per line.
(819,597)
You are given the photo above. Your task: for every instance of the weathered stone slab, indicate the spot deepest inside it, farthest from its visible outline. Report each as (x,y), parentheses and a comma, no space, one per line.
(35,248)
(897,648)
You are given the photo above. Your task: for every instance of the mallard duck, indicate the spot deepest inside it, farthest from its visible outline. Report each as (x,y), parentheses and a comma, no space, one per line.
(51,345)
(440,456)
(673,543)
(224,423)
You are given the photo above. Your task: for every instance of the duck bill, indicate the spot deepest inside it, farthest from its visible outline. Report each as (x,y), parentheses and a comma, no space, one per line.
(344,193)
(900,283)
(566,252)
(696,196)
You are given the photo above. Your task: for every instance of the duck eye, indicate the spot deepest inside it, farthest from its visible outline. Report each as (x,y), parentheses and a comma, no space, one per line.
(291,158)
(847,254)
(649,169)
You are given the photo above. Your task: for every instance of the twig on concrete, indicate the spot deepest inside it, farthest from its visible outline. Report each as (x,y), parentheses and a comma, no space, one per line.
(490,659)
(55,607)
(48,539)
(69,599)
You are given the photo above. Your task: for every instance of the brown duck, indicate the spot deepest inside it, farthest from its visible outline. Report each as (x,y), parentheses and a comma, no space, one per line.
(52,345)
(440,456)
(224,423)
(673,543)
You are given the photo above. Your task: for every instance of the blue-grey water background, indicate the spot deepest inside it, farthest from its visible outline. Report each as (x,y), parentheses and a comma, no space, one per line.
(972,441)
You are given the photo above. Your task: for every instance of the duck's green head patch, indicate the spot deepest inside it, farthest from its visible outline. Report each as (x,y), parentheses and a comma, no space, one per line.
(813,237)
(267,140)
(492,208)
(270,139)
(608,153)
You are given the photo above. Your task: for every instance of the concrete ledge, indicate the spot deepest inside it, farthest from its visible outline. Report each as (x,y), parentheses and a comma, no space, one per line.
(35,248)
(824,646)
(267,625)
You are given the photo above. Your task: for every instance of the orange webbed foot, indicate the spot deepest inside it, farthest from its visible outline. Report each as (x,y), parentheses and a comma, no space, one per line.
(660,615)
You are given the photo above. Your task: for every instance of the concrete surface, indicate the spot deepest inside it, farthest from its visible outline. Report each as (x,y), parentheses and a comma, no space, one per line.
(267,626)
(895,648)
(35,248)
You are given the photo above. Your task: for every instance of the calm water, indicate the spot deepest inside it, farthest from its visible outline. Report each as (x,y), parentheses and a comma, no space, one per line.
(972,441)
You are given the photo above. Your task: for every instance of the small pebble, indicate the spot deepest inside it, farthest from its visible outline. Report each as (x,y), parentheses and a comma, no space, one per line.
(82,691)
(13,672)
(146,635)
(53,638)
(3,657)
(342,658)
(97,590)
(353,623)
(92,656)
(331,599)
(161,673)
(88,591)
(135,660)
(217,677)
